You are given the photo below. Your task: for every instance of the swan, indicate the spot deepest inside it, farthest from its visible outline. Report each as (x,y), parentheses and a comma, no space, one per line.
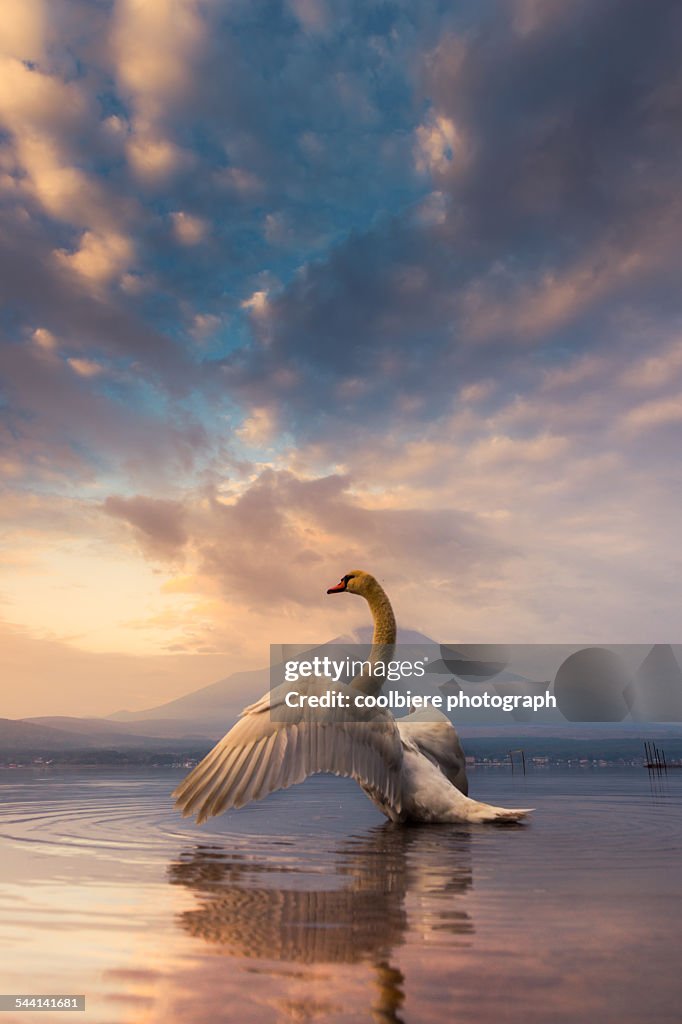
(413,768)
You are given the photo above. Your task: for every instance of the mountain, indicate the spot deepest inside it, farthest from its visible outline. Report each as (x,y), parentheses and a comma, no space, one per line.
(213,709)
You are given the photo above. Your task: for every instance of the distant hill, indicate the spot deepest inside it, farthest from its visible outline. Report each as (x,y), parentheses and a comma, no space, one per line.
(37,737)
(115,731)
(21,736)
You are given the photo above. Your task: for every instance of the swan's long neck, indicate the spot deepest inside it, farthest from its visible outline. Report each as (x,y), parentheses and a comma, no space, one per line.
(382,613)
(383,640)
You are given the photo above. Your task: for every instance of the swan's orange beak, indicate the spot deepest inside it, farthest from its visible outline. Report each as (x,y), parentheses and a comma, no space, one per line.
(339,588)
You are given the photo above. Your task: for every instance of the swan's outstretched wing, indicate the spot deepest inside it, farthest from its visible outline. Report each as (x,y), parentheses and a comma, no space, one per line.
(273,746)
(436,738)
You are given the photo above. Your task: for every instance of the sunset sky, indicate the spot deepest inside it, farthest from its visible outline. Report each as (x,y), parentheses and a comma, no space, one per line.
(293,287)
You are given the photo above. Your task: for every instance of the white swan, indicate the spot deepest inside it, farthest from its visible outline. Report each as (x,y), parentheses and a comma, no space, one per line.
(412,769)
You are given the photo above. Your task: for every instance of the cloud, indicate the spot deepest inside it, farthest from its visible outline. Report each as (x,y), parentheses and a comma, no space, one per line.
(257,303)
(258,429)
(189,230)
(503,449)
(546,228)
(23,29)
(45,116)
(264,542)
(85,367)
(45,339)
(653,371)
(158,523)
(62,416)
(154,159)
(31,98)
(98,258)
(155,47)
(438,145)
(658,412)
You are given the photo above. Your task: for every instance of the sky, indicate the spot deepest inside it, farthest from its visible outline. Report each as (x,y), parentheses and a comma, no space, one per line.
(293,287)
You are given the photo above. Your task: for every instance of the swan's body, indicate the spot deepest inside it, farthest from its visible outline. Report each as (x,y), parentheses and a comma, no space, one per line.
(412,769)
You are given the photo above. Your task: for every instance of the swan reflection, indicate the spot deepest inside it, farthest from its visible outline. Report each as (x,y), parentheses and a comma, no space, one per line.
(351,905)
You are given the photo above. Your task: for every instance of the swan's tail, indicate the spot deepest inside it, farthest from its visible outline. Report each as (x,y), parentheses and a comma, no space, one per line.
(431,797)
(474,810)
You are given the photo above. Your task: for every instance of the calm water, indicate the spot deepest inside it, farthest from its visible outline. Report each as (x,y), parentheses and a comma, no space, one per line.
(307,907)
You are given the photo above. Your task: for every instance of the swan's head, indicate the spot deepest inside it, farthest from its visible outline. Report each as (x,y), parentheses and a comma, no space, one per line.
(355,582)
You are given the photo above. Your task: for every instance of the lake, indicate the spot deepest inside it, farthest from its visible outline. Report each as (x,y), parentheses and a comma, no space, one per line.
(308,907)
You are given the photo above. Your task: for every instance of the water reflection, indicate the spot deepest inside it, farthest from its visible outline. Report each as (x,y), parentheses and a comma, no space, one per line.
(278,916)
(355,909)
